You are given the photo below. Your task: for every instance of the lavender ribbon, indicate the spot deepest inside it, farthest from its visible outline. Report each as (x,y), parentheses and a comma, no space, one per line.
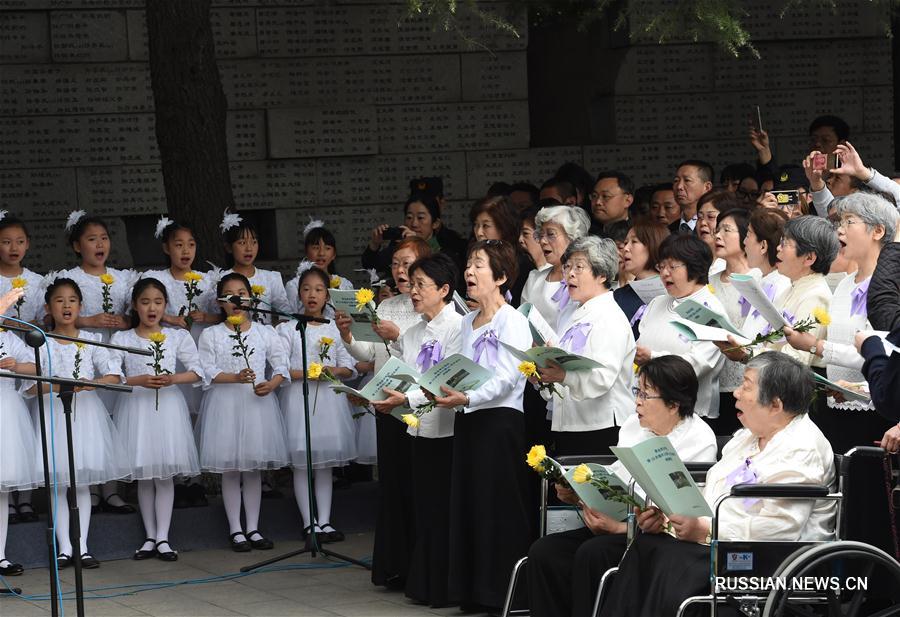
(638,314)
(508,296)
(576,336)
(743,474)
(768,289)
(859,297)
(745,306)
(561,296)
(430,353)
(788,317)
(487,345)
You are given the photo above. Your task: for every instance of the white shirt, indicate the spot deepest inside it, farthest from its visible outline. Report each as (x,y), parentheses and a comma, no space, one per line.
(92,361)
(92,291)
(177,291)
(178,348)
(274,297)
(398,309)
(797,454)
(11,346)
(444,329)
(337,355)
(804,295)
(662,339)
(217,344)
(839,351)
(508,384)
(538,292)
(601,397)
(33,306)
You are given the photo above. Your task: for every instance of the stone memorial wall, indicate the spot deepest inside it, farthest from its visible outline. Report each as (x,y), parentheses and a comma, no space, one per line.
(334,106)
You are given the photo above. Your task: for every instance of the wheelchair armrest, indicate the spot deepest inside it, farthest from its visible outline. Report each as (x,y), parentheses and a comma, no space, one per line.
(873,451)
(577,459)
(779,490)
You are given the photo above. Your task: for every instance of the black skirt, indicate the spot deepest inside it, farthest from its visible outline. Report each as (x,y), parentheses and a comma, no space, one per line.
(571,443)
(656,575)
(489,524)
(847,428)
(395,525)
(429,564)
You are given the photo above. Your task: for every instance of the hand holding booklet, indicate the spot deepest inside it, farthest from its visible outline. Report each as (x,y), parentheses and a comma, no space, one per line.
(456,372)
(385,378)
(698,332)
(849,394)
(345,300)
(655,466)
(542,355)
(693,311)
(593,498)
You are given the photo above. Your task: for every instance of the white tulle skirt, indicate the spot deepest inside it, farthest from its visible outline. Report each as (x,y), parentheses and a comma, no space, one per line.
(97,447)
(159,443)
(239,431)
(366,442)
(332,428)
(18,445)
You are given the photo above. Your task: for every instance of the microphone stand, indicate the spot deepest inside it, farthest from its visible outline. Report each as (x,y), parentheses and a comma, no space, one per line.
(35,339)
(311,544)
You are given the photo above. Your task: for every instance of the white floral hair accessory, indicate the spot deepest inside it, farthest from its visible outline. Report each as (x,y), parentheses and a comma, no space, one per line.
(161,225)
(73,219)
(3,214)
(229,220)
(313,224)
(303,267)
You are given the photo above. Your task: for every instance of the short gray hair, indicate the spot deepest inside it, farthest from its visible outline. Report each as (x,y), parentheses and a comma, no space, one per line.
(873,209)
(601,253)
(782,377)
(574,220)
(815,235)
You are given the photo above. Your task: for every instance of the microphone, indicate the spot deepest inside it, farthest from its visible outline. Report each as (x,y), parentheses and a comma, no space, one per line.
(235,300)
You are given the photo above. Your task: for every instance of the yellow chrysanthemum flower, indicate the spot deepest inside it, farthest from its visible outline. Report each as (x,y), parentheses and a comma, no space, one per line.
(711,289)
(157,337)
(235,320)
(410,419)
(635,368)
(79,346)
(536,456)
(107,279)
(335,282)
(18,283)
(257,290)
(314,371)
(582,474)
(363,297)
(193,276)
(821,316)
(326,340)
(529,369)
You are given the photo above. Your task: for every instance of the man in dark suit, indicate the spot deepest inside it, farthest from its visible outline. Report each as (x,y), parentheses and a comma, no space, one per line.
(692,180)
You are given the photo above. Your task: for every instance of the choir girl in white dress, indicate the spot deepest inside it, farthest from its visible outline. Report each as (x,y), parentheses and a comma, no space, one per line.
(320,250)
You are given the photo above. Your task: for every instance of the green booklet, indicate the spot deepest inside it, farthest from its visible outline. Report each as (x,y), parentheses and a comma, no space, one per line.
(698,332)
(361,328)
(847,393)
(693,311)
(385,378)
(655,466)
(456,371)
(541,331)
(541,355)
(594,499)
(752,291)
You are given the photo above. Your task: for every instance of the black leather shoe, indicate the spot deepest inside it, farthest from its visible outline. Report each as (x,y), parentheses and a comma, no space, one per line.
(63,561)
(8,568)
(89,562)
(140,554)
(239,547)
(330,534)
(12,515)
(125,508)
(170,555)
(27,513)
(262,544)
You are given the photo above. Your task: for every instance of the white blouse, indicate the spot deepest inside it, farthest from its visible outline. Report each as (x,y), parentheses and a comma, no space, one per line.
(11,346)
(839,351)
(217,346)
(273,298)
(337,355)
(178,348)
(601,397)
(93,362)
(92,290)
(797,454)
(445,330)
(292,289)
(662,339)
(538,291)
(33,306)
(505,389)
(799,300)
(398,309)
(177,292)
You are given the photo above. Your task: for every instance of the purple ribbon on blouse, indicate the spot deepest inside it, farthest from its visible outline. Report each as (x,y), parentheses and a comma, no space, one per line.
(743,474)
(561,296)
(859,297)
(487,345)
(788,317)
(638,314)
(576,336)
(768,289)
(508,296)
(430,353)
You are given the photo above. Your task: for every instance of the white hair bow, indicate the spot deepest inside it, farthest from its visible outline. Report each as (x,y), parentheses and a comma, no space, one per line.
(161,225)
(229,220)
(73,219)
(313,224)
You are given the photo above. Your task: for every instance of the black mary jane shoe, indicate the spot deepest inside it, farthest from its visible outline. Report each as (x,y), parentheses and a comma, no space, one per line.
(125,508)
(263,544)
(242,546)
(63,561)
(12,516)
(170,555)
(330,534)
(29,515)
(141,554)
(89,562)
(8,568)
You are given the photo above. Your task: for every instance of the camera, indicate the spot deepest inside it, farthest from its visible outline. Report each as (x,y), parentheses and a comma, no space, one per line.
(826,162)
(392,233)
(787,198)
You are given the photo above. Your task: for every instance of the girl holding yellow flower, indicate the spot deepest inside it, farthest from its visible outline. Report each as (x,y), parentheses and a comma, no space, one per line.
(332,429)
(14,242)
(320,250)
(154,420)
(241,426)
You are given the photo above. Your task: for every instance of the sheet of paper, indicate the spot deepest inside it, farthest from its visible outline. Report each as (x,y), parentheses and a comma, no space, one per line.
(691,310)
(541,355)
(749,287)
(384,378)
(697,332)
(648,288)
(541,331)
(345,300)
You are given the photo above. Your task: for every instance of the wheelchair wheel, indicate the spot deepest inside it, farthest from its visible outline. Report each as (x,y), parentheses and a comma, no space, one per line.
(836,579)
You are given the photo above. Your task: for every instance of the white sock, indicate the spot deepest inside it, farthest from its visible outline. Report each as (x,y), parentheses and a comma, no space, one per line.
(165,498)
(324,488)
(301,493)
(231,499)
(252,491)
(4,523)
(83,497)
(146,502)
(63,541)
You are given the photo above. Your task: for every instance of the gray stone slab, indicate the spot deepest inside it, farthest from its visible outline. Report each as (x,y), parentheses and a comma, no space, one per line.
(274,184)
(497,76)
(122,190)
(534,165)
(321,131)
(878,109)
(43,89)
(88,36)
(48,249)
(234,32)
(38,193)
(24,37)
(246,133)
(665,69)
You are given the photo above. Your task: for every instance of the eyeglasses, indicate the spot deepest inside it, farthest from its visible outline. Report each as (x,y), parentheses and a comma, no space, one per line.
(604,196)
(844,224)
(549,236)
(419,286)
(669,267)
(642,394)
(726,229)
(577,268)
(404,264)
